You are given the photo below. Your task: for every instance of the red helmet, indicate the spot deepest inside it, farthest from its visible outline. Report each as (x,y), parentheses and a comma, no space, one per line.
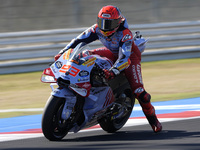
(109,19)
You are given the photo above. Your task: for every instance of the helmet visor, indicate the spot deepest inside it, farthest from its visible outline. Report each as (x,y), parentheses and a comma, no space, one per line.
(107,24)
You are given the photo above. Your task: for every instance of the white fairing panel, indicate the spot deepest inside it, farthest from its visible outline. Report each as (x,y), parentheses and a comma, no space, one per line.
(64,92)
(100,97)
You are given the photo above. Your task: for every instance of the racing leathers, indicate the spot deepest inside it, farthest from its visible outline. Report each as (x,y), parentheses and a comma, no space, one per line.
(121,49)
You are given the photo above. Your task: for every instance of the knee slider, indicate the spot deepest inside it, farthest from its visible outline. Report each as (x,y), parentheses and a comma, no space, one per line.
(142,95)
(145,97)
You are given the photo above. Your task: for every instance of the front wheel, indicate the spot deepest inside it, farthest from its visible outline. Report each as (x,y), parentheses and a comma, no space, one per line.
(111,125)
(53,126)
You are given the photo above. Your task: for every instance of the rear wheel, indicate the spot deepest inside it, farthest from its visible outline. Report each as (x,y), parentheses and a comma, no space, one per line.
(111,125)
(53,126)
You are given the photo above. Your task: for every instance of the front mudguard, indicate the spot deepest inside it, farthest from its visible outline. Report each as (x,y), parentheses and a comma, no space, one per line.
(70,100)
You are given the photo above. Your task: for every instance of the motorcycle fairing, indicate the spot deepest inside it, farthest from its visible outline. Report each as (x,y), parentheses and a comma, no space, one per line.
(62,92)
(78,75)
(100,97)
(95,106)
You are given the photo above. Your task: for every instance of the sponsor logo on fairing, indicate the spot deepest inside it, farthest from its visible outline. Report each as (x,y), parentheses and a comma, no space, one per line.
(86,85)
(65,77)
(53,69)
(58,64)
(47,71)
(89,62)
(83,73)
(83,79)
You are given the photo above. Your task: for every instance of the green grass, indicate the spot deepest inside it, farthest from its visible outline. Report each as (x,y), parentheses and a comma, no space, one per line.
(164,80)
(170,80)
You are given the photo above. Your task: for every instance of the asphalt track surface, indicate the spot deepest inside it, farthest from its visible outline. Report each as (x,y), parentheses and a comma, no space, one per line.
(176,135)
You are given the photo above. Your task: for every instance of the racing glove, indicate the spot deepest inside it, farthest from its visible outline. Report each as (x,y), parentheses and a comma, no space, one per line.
(57,57)
(110,74)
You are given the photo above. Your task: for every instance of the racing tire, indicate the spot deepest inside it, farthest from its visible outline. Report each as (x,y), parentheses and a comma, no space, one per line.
(54,127)
(111,125)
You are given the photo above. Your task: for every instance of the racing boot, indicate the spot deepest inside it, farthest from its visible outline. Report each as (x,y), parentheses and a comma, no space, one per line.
(152,118)
(149,111)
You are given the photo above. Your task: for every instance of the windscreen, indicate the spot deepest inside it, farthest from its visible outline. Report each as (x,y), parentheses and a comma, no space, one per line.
(79,52)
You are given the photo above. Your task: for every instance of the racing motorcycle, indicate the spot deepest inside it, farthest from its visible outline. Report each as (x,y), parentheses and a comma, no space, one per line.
(83,97)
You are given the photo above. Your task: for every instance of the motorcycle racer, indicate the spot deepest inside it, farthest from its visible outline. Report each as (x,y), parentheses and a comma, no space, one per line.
(112,30)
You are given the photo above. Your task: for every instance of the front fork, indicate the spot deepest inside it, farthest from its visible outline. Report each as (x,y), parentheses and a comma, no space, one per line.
(70,99)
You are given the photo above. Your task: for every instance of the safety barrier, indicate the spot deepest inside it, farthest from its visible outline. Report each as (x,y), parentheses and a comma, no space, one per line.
(34,50)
